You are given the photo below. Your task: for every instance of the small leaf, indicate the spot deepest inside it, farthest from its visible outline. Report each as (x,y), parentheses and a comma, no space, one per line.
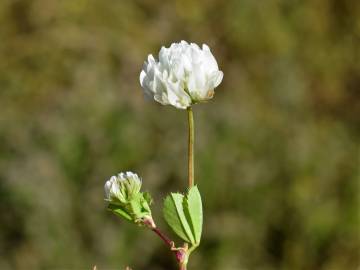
(135,205)
(119,211)
(179,202)
(174,215)
(194,212)
(146,200)
(148,197)
(139,207)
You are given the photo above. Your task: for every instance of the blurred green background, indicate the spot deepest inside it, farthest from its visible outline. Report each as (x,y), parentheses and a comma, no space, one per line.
(277,149)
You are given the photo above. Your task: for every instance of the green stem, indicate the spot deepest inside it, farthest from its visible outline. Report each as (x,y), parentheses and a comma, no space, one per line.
(190,148)
(191,138)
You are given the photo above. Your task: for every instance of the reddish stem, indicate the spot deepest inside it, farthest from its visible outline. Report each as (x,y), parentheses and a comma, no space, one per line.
(179,253)
(163,237)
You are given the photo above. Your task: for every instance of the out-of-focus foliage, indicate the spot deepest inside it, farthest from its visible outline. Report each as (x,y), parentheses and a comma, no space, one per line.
(277,149)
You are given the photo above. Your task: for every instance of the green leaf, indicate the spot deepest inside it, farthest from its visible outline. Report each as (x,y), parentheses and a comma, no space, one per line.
(148,197)
(174,215)
(146,200)
(179,203)
(184,214)
(118,210)
(135,205)
(194,212)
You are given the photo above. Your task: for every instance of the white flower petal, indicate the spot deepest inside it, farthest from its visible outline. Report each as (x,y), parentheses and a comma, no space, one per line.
(216,78)
(113,187)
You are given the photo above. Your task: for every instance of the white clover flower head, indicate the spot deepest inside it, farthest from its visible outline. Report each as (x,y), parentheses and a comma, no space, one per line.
(184,75)
(122,187)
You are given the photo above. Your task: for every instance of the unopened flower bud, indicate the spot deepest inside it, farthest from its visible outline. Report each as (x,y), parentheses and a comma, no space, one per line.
(126,200)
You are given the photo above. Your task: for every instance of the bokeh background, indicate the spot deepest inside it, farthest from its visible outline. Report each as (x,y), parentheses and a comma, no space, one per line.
(277,149)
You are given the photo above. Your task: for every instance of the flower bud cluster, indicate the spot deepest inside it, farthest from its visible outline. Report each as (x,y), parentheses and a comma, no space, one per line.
(125,199)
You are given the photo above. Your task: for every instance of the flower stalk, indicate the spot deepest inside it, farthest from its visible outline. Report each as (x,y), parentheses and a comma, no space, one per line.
(191,141)
(191,138)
